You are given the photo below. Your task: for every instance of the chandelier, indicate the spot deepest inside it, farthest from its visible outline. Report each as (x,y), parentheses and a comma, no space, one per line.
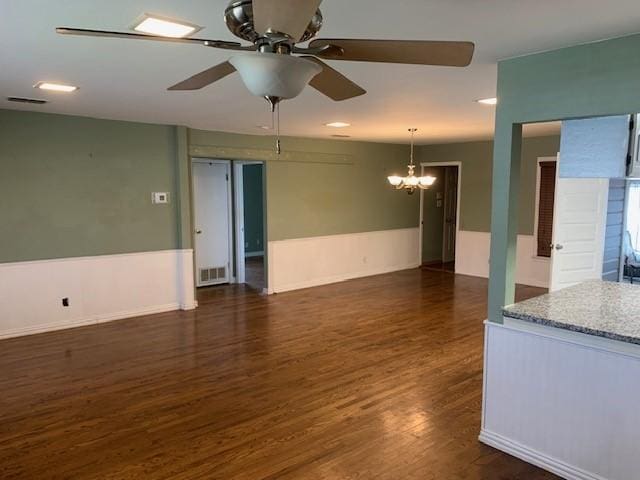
(410,183)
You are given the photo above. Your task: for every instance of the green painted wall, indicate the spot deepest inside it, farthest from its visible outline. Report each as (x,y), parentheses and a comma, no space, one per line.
(590,80)
(433,217)
(477,158)
(321,187)
(253,224)
(74,186)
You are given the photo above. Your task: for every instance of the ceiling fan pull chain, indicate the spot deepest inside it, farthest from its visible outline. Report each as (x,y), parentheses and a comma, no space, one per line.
(278,128)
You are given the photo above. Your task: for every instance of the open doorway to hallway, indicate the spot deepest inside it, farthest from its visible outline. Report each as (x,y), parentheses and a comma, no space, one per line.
(250,224)
(229,223)
(439,216)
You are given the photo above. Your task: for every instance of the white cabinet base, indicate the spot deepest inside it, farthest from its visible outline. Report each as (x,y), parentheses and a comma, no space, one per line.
(564,401)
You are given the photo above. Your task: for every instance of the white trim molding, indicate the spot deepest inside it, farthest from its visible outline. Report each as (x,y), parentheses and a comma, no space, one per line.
(536,217)
(99,288)
(536,458)
(472,258)
(308,262)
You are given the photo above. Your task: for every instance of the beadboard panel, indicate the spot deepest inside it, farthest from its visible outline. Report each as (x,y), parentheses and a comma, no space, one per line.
(307,262)
(99,289)
(562,400)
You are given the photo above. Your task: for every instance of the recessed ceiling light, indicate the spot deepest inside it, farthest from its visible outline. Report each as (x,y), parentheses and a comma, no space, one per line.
(264,127)
(488,101)
(338,124)
(55,87)
(165,27)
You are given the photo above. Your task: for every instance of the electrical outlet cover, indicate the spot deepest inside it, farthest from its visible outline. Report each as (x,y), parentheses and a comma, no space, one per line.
(160,197)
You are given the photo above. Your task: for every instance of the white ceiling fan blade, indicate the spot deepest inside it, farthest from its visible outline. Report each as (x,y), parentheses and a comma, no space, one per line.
(285,16)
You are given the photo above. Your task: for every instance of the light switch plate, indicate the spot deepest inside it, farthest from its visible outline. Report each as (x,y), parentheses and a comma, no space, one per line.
(160,197)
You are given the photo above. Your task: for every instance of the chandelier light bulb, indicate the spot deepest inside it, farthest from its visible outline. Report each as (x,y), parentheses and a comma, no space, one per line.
(427,181)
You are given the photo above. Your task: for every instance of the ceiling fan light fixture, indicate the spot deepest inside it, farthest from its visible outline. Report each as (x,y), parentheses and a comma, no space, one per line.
(274,75)
(165,27)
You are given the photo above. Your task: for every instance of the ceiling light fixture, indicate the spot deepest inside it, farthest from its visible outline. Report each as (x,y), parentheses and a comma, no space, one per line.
(275,77)
(337,124)
(55,87)
(488,101)
(165,27)
(410,183)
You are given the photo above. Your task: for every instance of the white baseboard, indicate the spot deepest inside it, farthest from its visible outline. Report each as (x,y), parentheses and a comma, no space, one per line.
(536,458)
(52,327)
(309,262)
(341,278)
(100,289)
(472,258)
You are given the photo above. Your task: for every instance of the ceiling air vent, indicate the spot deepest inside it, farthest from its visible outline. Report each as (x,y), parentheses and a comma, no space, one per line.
(35,101)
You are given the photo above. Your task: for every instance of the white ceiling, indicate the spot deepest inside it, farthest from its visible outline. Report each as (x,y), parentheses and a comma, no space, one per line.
(124,79)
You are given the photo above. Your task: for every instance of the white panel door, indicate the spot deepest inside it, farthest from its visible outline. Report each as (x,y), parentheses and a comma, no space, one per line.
(212,222)
(579,222)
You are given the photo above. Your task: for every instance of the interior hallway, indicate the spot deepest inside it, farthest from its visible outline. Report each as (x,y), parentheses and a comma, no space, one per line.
(374,378)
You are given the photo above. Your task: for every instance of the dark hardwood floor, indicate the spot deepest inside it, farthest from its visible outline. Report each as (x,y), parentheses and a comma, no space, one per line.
(441,266)
(254,272)
(375,378)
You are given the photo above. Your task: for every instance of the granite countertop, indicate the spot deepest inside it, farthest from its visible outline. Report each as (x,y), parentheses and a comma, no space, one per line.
(605,309)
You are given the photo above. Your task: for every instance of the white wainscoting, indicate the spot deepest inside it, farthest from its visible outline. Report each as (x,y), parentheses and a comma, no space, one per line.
(472,258)
(100,289)
(564,401)
(307,262)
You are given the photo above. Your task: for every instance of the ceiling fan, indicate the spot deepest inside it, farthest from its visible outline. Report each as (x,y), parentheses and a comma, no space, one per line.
(273,69)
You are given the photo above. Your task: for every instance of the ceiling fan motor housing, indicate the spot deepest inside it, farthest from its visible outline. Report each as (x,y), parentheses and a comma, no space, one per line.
(239,19)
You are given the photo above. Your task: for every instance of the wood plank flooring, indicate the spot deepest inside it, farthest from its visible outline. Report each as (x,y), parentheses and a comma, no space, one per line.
(375,378)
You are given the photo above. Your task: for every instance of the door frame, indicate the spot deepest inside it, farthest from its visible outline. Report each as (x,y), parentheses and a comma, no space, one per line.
(458,198)
(238,189)
(536,214)
(232,276)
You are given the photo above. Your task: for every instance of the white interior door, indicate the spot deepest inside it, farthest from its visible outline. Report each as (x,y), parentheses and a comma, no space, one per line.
(579,223)
(212,221)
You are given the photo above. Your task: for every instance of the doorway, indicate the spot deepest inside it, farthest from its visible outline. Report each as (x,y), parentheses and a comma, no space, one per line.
(212,221)
(250,242)
(439,214)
